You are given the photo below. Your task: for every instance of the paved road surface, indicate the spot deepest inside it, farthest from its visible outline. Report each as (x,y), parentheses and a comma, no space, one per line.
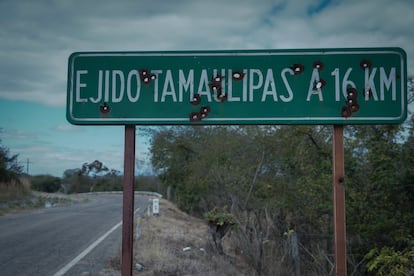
(42,242)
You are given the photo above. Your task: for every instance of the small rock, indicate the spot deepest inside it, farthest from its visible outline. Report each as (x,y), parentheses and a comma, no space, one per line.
(139,267)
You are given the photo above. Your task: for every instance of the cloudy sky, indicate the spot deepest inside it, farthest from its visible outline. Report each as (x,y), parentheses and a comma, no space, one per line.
(37,37)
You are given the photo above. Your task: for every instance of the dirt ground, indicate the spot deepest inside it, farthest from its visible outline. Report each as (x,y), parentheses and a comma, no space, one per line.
(175,243)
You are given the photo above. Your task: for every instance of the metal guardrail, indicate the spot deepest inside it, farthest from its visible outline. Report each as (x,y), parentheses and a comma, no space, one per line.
(149,193)
(145,193)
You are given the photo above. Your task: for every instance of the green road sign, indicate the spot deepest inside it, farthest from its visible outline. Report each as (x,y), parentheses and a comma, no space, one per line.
(312,86)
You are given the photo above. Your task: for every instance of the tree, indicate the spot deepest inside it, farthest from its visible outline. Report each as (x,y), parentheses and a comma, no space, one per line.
(46,183)
(172,152)
(94,176)
(388,261)
(380,195)
(9,167)
(410,86)
(264,175)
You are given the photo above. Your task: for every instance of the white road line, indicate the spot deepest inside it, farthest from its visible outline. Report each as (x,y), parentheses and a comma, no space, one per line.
(85,252)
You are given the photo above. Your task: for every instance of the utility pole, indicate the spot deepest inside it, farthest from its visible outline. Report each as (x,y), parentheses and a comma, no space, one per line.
(27,165)
(18,163)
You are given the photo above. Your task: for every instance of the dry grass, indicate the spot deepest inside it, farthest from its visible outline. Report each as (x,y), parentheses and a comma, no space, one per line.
(15,189)
(163,238)
(17,196)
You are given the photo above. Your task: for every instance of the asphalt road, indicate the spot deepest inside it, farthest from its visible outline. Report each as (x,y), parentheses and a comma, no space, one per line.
(45,241)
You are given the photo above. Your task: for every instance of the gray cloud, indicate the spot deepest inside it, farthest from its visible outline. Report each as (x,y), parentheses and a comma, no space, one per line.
(37,37)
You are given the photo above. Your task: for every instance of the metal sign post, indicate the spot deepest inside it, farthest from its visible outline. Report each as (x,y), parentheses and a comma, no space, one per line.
(128,201)
(339,200)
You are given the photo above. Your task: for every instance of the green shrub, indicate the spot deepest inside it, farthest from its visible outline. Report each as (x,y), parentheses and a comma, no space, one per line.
(107,183)
(389,261)
(46,183)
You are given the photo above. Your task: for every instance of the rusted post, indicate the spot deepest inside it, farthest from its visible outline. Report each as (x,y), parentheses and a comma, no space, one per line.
(339,200)
(128,201)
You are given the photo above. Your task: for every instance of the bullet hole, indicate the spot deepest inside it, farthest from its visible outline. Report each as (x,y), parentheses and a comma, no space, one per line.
(355,107)
(237,75)
(222,97)
(297,68)
(104,108)
(146,77)
(144,73)
(320,84)
(318,65)
(346,112)
(369,93)
(215,88)
(218,78)
(365,64)
(205,110)
(196,99)
(195,117)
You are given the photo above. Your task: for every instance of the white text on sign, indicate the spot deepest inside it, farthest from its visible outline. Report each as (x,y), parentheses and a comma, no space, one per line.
(115,86)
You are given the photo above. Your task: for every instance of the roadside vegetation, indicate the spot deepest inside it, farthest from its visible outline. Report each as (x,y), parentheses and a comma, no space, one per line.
(276,183)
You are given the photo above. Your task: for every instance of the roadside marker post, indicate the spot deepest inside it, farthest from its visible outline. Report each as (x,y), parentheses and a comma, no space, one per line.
(155,207)
(338,87)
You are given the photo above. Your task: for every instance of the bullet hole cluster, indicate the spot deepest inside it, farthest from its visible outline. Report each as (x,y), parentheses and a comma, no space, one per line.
(146,77)
(351,104)
(200,115)
(215,85)
(321,83)
(366,64)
